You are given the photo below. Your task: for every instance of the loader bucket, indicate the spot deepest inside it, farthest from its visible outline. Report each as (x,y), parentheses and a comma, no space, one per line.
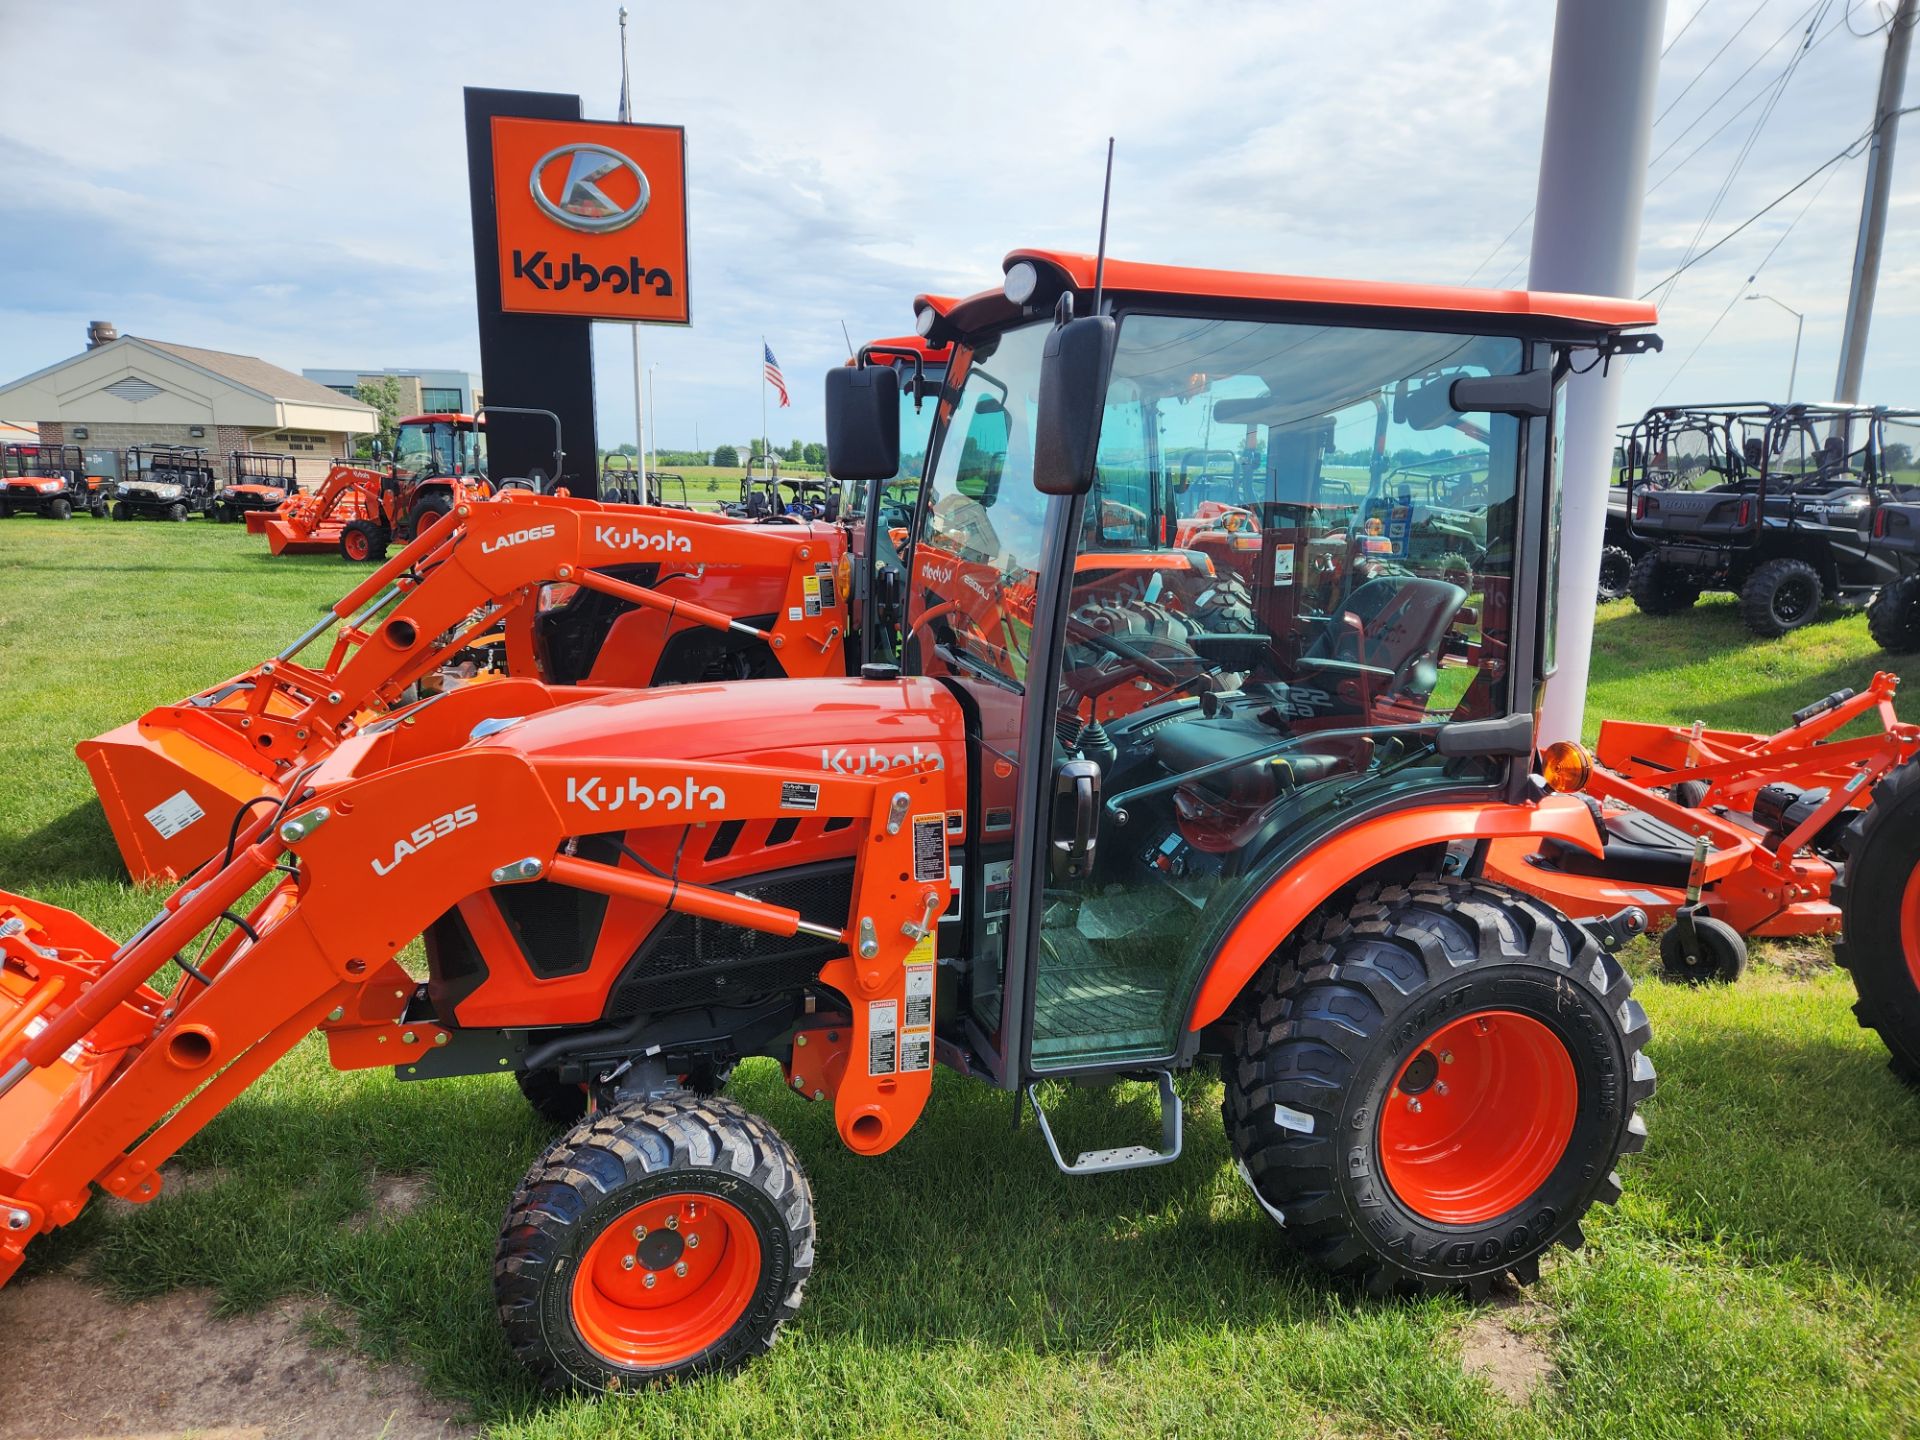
(258,520)
(289,537)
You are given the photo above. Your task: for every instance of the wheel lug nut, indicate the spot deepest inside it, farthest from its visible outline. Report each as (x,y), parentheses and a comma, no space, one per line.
(639,1232)
(626,1262)
(1440,1087)
(1446,1057)
(693,1242)
(673,1222)
(681,1268)
(1414,1106)
(651,1280)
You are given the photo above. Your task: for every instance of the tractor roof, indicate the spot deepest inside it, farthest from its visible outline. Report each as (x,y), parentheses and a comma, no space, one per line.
(437,417)
(1061,270)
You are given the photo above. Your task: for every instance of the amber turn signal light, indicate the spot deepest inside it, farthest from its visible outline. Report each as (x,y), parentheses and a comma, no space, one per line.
(1565,766)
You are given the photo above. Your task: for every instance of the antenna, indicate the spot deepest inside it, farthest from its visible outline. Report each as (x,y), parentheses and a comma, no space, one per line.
(851,353)
(1100,255)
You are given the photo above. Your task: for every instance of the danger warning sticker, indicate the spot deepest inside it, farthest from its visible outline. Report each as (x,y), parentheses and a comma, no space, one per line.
(825,572)
(174,814)
(883,1037)
(810,593)
(799,795)
(929,848)
(919,995)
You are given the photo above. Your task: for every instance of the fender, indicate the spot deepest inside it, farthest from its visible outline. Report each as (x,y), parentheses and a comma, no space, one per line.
(1303,887)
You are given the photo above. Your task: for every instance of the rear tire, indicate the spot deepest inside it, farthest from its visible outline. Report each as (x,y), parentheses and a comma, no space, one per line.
(1616,569)
(1780,596)
(427,512)
(1351,1039)
(1661,588)
(1893,619)
(741,1216)
(1879,898)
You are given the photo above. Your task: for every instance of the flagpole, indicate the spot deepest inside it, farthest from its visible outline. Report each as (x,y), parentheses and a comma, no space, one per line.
(639,375)
(766,448)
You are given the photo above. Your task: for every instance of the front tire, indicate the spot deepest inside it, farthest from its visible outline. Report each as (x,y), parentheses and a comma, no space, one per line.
(1616,568)
(697,1196)
(1893,619)
(1780,596)
(122,510)
(1879,899)
(1433,1087)
(60,510)
(177,513)
(1659,587)
(364,542)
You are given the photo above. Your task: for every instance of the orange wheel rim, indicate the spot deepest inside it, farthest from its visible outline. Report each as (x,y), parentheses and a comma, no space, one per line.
(666,1280)
(357,545)
(1910,926)
(1478,1117)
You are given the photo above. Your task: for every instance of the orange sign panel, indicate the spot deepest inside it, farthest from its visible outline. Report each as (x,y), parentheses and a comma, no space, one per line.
(592,219)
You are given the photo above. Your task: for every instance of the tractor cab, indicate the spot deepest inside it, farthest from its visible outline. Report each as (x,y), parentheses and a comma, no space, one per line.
(1771,502)
(255,480)
(427,447)
(164,482)
(49,480)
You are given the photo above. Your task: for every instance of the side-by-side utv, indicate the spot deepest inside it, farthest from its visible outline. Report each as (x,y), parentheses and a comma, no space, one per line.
(1770,502)
(48,480)
(164,482)
(256,480)
(1270,858)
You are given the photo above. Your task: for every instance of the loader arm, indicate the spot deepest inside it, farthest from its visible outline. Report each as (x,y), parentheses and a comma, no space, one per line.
(102,1057)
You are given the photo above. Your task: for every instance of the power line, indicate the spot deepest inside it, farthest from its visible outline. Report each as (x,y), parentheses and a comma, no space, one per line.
(1752,65)
(1686,27)
(1710,63)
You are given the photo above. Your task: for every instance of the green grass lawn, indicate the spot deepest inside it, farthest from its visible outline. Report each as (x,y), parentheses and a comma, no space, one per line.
(1761,1277)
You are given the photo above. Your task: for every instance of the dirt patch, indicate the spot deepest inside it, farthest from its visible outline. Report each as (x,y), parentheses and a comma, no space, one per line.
(1797,959)
(393,1197)
(1504,1345)
(97,1368)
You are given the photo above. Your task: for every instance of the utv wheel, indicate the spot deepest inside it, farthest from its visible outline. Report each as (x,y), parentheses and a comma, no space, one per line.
(1433,1087)
(176,512)
(60,510)
(1893,619)
(1780,596)
(363,542)
(1879,899)
(123,511)
(657,1240)
(1616,569)
(1659,587)
(1716,953)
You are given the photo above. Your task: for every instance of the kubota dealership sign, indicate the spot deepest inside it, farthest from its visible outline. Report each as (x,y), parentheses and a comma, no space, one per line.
(592,219)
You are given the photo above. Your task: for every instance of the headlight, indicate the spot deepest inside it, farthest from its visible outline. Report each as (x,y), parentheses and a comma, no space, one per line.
(1021,281)
(50,487)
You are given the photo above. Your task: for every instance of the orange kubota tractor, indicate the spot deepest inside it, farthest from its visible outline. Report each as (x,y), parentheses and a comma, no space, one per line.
(439,461)
(1429,1077)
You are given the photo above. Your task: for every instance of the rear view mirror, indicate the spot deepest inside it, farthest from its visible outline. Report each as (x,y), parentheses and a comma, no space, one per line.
(1529,393)
(863,422)
(1073,392)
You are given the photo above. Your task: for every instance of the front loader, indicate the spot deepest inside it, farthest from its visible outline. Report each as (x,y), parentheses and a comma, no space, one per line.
(1429,1077)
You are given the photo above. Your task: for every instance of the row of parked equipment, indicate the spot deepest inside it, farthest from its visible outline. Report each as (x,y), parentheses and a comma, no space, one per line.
(154,482)
(1786,506)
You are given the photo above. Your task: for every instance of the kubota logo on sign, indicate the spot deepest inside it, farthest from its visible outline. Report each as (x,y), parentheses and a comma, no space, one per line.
(591,219)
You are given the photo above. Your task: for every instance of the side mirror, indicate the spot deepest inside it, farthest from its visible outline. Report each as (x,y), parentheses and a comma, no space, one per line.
(863,422)
(1073,393)
(1530,393)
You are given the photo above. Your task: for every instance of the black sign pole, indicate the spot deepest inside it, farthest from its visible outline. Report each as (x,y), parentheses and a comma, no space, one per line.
(541,362)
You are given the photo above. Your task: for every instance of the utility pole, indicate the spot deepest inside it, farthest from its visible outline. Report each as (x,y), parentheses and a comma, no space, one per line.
(1586,237)
(1873,203)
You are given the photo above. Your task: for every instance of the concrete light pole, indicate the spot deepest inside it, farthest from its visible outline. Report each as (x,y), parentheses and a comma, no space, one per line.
(1799,327)
(1873,205)
(1586,235)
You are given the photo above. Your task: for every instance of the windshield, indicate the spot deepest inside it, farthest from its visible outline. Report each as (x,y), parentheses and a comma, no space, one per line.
(439,448)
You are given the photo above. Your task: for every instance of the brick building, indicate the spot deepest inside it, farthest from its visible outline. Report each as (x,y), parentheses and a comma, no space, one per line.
(125,390)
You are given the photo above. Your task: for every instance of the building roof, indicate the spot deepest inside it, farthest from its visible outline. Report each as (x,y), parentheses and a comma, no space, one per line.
(251,372)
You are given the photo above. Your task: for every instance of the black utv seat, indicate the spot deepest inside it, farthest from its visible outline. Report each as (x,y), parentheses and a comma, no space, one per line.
(1636,848)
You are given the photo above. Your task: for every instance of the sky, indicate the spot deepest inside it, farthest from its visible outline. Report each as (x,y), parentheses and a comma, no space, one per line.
(288,179)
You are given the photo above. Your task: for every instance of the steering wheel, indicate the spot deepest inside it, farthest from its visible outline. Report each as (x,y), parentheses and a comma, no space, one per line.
(518,484)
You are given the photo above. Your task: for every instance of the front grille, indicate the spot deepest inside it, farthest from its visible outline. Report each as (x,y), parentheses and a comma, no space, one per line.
(688,962)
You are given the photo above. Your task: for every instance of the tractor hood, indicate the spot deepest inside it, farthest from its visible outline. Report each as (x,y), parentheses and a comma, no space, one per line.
(847,726)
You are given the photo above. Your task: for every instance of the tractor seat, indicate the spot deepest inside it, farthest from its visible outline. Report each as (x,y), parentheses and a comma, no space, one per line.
(1636,848)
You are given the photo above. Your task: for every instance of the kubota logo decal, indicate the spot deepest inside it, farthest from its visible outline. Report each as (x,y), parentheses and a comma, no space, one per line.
(936,574)
(848,762)
(635,538)
(425,835)
(591,793)
(518,537)
(581,204)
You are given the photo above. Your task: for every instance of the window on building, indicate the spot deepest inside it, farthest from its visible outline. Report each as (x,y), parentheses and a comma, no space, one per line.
(350,391)
(440,400)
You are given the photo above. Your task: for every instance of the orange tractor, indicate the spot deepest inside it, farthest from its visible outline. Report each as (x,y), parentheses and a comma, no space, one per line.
(439,461)
(1430,1077)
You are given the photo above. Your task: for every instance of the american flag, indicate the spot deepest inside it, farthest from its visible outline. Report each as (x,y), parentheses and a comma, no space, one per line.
(774,377)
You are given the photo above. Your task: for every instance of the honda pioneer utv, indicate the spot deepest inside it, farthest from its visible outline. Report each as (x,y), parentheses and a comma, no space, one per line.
(1893,527)
(256,480)
(1770,502)
(164,482)
(1271,860)
(48,480)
